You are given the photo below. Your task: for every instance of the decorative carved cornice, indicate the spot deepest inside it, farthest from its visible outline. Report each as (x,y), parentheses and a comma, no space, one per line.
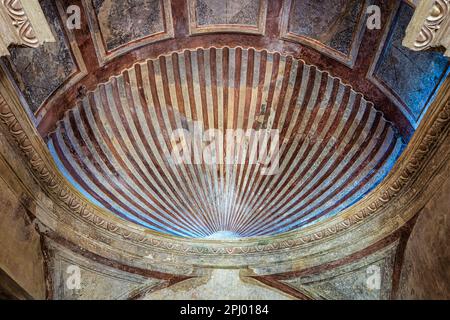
(430,26)
(401,187)
(22,24)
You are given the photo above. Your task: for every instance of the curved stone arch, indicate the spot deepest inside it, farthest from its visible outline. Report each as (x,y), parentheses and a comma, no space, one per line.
(388,204)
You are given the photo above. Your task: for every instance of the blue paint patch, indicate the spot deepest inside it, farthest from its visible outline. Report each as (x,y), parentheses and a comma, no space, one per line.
(414,77)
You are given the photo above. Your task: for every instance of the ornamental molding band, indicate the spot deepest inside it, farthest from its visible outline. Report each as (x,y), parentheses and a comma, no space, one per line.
(389,206)
(22,23)
(429,27)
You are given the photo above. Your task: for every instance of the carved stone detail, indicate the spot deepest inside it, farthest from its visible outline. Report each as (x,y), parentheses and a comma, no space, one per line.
(430,26)
(23,23)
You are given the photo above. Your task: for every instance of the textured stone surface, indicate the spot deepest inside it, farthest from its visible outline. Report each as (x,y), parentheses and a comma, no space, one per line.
(210,12)
(20,250)
(332,23)
(220,285)
(426,267)
(40,71)
(367,279)
(97,281)
(124,21)
(412,76)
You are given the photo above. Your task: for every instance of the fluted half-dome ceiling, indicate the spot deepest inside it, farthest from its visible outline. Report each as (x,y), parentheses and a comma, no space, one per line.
(116,145)
(132,101)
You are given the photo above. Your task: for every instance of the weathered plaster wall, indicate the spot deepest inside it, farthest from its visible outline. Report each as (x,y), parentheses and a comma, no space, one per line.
(40,71)
(219,285)
(426,272)
(74,277)
(20,252)
(21,257)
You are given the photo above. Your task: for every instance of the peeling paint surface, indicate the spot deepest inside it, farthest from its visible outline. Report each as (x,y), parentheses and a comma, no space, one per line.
(332,23)
(40,71)
(413,76)
(124,21)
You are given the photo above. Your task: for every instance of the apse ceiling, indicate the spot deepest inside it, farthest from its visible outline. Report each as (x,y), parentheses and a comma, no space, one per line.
(108,98)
